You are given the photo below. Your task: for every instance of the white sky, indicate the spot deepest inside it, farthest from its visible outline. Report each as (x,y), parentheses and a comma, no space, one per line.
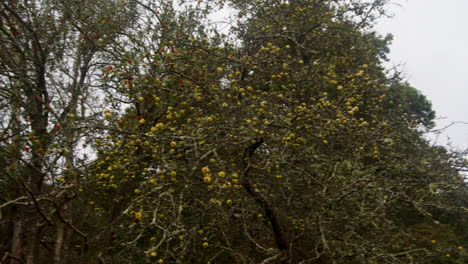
(431,41)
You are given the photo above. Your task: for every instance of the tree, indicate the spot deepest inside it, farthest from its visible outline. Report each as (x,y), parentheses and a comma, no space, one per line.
(50,51)
(282,142)
(288,147)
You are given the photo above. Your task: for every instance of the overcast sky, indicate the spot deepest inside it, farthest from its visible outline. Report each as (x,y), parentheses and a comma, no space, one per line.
(431,41)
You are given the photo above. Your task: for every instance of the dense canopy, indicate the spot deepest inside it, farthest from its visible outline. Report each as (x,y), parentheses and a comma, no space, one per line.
(142,132)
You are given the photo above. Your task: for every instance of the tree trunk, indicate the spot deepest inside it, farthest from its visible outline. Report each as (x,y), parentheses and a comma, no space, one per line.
(33,240)
(63,234)
(16,246)
(59,243)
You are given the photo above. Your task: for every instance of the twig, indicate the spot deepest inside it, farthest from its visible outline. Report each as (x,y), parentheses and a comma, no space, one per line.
(447,126)
(267,260)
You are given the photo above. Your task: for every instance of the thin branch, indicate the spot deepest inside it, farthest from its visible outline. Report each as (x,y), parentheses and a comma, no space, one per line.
(447,126)
(268,260)
(36,203)
(13,201)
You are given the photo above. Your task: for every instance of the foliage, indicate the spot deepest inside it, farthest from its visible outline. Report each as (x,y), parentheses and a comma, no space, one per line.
(281,142)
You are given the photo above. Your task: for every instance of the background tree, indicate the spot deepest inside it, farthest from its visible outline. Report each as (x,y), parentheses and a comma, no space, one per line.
(49,56)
